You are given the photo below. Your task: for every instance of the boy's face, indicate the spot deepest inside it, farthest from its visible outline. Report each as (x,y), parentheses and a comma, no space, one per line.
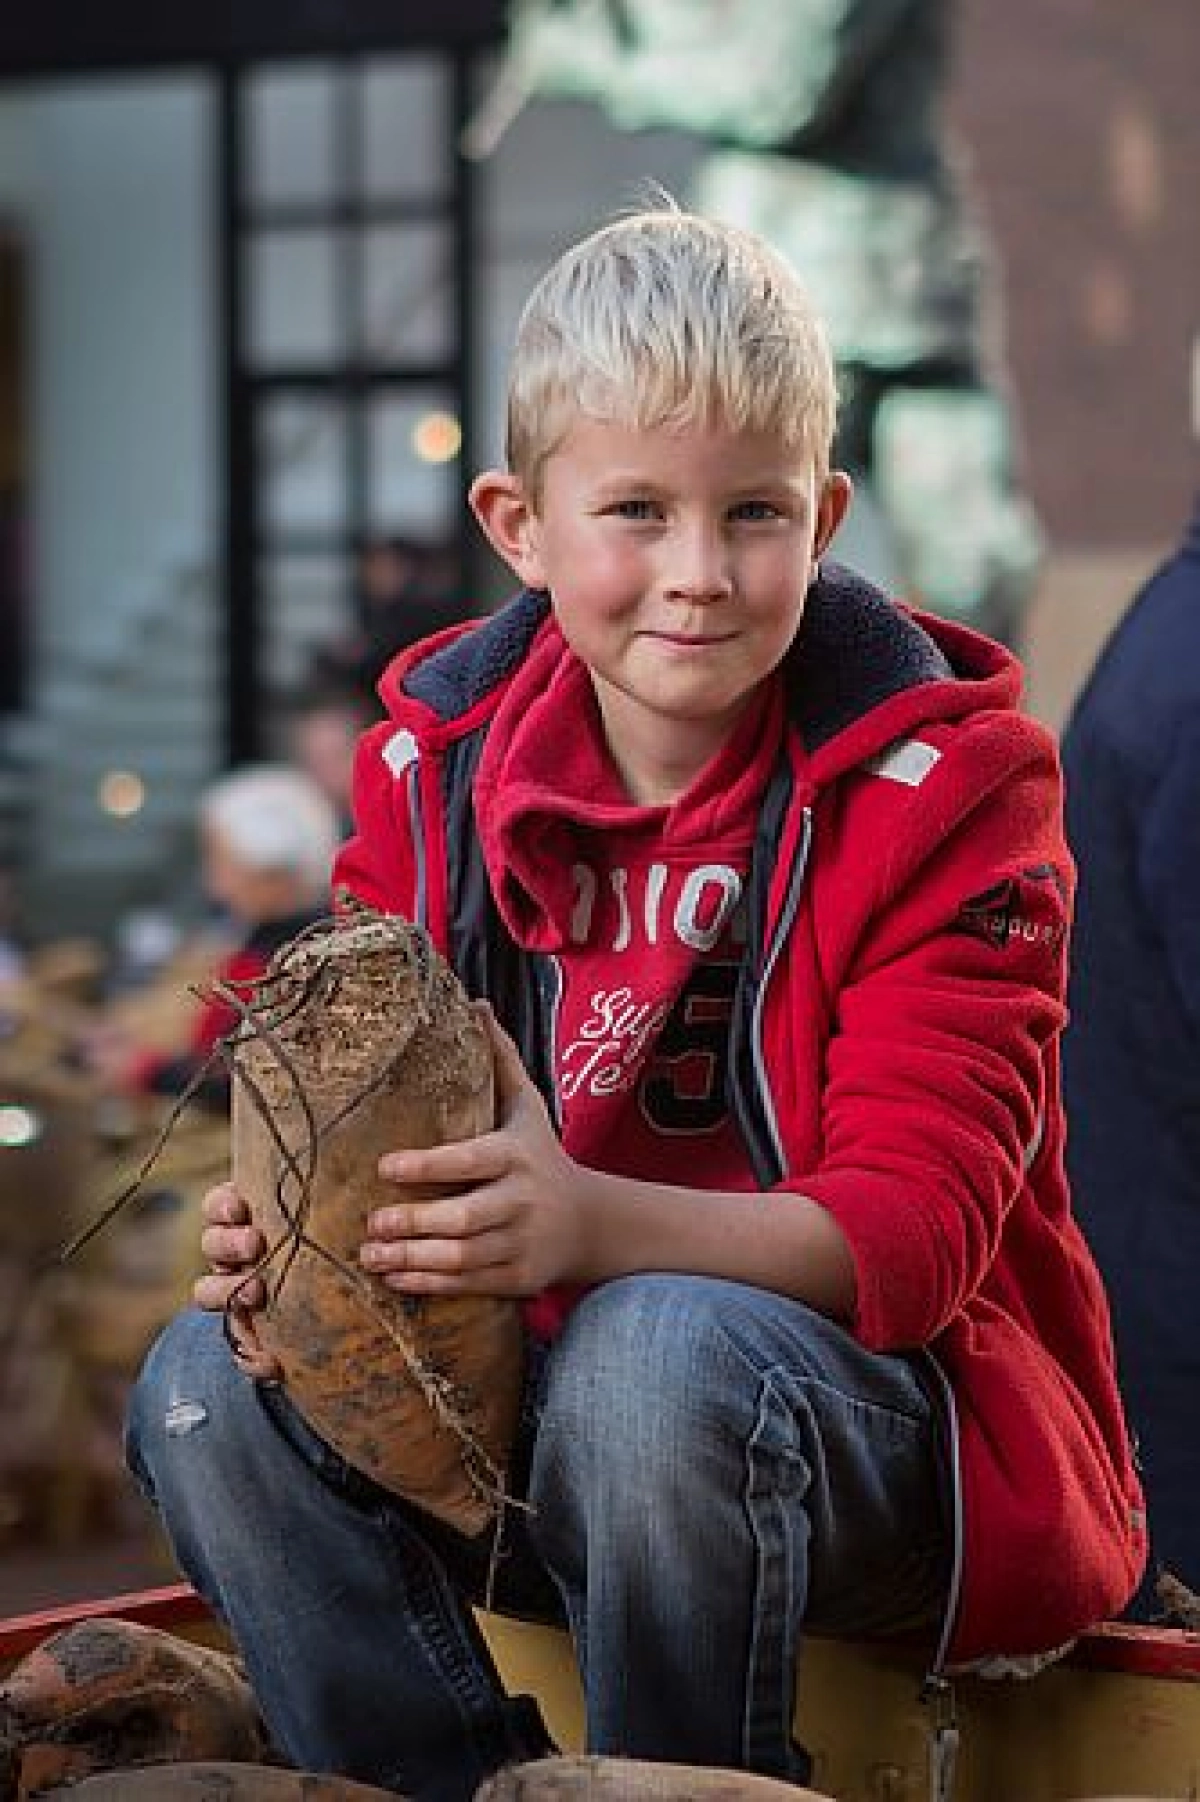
(678,560)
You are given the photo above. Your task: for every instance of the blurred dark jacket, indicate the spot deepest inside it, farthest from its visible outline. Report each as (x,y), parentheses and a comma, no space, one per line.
(1131,753)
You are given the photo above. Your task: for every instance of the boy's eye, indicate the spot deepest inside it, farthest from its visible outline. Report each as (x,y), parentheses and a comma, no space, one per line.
(754,510)
(634,509)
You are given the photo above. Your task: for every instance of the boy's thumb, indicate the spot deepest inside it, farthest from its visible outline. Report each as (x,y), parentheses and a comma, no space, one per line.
(511,1074)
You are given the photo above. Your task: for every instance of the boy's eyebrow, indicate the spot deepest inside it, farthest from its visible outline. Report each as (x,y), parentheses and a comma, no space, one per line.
(775,480)
(793,484)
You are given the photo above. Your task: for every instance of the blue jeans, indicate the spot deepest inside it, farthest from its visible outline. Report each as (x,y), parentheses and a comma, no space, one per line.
(710,1467)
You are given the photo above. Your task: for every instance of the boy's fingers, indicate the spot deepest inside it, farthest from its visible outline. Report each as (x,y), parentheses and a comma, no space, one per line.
(216,1289)
(249,1354)
(223,1206)
(452,1217)
(459,1163)
(231,1248)
(490,1251)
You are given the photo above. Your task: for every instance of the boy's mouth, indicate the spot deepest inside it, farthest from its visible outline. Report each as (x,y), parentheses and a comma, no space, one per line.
(691,641)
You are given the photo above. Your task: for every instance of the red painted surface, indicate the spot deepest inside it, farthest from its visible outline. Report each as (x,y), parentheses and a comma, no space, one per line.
(1141,1651)
(173,1607)
(1138,1651)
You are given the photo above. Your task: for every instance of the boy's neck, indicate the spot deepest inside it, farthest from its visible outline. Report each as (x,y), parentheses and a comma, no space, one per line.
(659,758)
(659,787)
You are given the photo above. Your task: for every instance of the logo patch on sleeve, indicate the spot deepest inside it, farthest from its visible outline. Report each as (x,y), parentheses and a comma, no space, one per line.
(1025,909)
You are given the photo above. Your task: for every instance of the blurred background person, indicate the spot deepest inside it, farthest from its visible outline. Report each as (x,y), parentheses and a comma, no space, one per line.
(406,589)
(1131,1052)
(267,835)
(323,720)
(90,1078)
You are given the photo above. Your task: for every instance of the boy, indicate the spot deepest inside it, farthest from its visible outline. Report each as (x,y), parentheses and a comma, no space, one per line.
(764,880)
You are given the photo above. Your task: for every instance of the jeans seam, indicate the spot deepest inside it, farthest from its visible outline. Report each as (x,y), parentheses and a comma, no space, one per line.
(770,1672)
(435,1618)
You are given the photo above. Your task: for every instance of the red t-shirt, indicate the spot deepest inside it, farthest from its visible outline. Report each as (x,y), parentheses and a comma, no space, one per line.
(643,909)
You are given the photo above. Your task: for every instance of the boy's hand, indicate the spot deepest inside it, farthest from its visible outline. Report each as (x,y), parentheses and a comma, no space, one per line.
(231,1247)
(514,1223)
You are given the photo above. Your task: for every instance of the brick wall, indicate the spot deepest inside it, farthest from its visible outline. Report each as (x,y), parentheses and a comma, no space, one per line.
(1082,126)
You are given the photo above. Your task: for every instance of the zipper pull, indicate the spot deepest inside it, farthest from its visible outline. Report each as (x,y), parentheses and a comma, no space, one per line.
(938,1695)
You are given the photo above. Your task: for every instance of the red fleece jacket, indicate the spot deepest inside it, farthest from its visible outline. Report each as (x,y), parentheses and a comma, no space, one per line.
(911,1022)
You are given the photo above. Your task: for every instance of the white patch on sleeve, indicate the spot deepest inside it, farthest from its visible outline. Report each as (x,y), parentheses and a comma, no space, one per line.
(909,761)
(400,751)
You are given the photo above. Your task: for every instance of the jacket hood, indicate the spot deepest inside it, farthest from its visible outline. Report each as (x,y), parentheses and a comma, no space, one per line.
(864,671)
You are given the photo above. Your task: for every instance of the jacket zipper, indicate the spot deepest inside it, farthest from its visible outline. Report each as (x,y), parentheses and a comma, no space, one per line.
(787,917)
(935,1676)
(935,1685)
(550,988)
(418,839)
(403,754)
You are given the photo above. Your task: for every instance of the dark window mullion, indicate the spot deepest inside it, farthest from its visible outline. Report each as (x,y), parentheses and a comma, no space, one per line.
(242,622)
(463,221)
(305,215)
(349,180)
(319,378)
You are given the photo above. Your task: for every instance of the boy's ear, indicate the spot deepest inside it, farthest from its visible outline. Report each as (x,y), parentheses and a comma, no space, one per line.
(500,504)
(833,504)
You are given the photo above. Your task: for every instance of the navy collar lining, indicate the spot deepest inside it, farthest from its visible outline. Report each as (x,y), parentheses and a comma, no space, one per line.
(856,649)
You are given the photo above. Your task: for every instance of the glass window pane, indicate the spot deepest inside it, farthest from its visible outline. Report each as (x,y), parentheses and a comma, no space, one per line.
(289,118)
(302,456)
(408,293)
(414,464)
(294,316)
(306,606)
(407,125)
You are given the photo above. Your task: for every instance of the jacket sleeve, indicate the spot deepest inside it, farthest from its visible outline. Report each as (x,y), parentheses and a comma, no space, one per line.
(380,862)
(946,1002)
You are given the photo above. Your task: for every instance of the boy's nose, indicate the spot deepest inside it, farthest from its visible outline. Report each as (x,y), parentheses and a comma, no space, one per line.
(700,568)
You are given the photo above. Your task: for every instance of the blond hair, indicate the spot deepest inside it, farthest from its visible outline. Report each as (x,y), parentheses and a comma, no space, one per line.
(661,318)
